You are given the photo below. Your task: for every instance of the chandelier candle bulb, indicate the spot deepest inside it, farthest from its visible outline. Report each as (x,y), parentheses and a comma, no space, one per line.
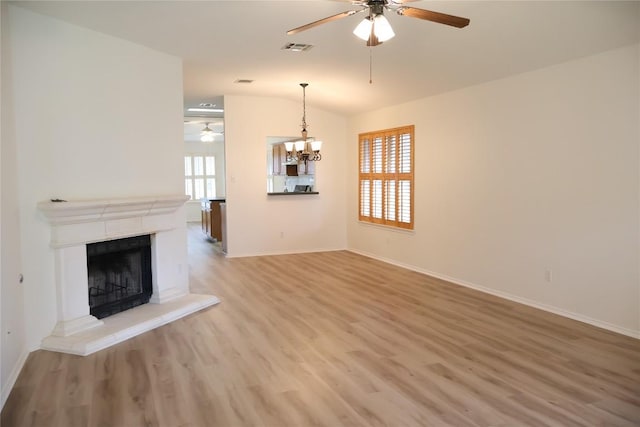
(288,146)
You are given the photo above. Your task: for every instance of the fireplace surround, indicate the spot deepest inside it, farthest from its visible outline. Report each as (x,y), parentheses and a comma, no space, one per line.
(74,225)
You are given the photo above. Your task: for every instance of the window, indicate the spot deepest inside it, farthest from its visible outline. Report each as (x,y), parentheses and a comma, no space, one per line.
(386,177)
(200,177)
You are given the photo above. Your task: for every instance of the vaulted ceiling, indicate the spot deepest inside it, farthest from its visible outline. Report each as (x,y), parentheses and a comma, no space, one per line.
(223,41)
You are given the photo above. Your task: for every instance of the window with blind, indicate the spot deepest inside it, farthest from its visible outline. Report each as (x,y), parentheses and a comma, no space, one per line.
(386,177)
(200,177)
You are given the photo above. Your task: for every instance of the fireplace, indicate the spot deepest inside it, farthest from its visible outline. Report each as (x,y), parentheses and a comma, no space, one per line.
(145,237)
(119,275)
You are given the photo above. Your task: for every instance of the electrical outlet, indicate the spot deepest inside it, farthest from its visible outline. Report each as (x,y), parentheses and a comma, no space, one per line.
(282,234)
(548,276)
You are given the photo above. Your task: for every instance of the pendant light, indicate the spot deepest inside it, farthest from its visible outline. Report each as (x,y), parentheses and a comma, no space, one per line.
(301,153)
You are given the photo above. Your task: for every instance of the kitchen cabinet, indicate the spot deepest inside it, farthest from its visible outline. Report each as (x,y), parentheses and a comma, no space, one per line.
(280,165)
(279,159)
(223,216)
(310,169)
(212,218)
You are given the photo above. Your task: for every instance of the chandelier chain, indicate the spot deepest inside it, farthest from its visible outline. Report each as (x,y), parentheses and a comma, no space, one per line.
(304,110)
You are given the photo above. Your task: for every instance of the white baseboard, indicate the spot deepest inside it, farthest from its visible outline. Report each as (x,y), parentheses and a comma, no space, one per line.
(284,252)
(13,376)
(531,303)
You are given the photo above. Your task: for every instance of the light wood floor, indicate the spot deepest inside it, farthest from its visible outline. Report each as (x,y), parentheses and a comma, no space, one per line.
(336,339)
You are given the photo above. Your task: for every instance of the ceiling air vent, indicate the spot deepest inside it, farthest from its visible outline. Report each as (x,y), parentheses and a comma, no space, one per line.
(297,47)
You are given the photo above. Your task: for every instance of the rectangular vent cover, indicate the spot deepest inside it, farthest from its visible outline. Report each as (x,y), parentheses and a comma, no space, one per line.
(297,47)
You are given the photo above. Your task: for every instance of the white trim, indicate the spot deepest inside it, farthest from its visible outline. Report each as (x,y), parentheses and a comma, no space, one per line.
(13,377)
(285,252)
(531,303)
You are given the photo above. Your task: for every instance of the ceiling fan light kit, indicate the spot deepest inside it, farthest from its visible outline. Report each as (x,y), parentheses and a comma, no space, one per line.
(376,28)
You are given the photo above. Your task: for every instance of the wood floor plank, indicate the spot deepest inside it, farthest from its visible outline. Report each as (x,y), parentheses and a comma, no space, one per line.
(338,339)
(17,407)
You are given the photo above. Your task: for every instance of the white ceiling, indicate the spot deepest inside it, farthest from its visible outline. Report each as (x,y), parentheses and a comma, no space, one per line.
(221,41)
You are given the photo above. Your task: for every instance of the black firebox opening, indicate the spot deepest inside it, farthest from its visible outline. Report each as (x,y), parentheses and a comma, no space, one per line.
(119,275)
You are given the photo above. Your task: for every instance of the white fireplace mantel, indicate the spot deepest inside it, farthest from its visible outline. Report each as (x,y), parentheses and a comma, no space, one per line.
(88,221)
(74,224)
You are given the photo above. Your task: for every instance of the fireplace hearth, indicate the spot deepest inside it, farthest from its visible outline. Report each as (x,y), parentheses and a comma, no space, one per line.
(119,275)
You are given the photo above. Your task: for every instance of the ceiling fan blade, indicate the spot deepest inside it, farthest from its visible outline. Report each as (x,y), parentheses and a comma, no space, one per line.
(440,18)
(324,21)
(366,2)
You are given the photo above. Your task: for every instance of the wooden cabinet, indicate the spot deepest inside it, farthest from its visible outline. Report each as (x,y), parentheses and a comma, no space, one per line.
(212,218)
(205,214)
(279,158)
(280,166)
(310,169)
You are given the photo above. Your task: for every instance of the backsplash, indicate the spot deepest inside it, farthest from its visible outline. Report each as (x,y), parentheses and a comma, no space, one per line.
(283,183)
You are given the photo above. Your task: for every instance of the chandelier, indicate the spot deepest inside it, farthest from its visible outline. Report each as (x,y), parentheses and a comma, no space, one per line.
(298,151)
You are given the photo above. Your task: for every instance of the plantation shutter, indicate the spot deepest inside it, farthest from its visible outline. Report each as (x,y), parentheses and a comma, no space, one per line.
(386,177)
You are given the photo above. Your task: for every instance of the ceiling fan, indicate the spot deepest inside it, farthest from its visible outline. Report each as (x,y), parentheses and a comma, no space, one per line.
(375,28)
(207,134)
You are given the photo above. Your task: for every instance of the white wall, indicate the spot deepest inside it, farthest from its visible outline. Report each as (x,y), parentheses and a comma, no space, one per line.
(13,350)
(216,149)
(522,175)
(260,224)
(2,8)
(94,117)
(515,177)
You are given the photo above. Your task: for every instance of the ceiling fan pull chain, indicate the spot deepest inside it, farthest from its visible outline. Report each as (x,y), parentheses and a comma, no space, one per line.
(370,65)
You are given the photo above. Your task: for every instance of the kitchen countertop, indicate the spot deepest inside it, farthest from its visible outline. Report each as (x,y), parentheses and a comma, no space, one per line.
(292,193)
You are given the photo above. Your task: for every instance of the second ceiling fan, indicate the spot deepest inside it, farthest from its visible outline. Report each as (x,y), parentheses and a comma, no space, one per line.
(375,28)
